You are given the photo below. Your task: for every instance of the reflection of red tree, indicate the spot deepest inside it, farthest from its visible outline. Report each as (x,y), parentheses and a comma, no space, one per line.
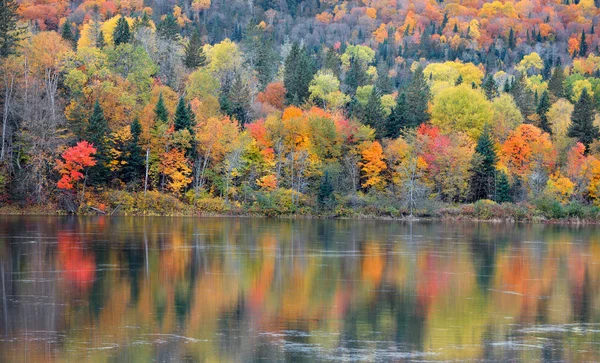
(433,280)
(78,267)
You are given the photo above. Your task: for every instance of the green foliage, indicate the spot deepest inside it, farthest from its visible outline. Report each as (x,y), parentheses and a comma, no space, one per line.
(10,34)
(417,100)
(582,121)
(182,120)
(168,28)
(484,168)
(160,111)
(133,170)
(556,82)
(396,122)
(298,73)
(121,34)
(97,134)
(326,189)
(194,54)
(542,112)
(503,188)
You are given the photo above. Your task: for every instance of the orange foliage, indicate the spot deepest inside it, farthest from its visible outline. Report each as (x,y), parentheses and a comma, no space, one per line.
(526,147)
(274,95)
(76,158)
(372,164)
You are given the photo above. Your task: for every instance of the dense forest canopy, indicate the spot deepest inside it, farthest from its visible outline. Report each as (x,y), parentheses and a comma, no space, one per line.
(295,106)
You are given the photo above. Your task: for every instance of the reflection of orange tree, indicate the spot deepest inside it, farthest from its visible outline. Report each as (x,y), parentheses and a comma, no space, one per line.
(78,266)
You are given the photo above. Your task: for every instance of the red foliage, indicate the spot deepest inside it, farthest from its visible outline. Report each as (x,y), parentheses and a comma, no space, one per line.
(76,158)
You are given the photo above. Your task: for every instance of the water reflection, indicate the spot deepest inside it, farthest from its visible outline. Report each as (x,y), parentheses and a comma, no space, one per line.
(185,289)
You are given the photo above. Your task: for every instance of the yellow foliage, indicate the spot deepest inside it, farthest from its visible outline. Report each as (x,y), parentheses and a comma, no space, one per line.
(372,164)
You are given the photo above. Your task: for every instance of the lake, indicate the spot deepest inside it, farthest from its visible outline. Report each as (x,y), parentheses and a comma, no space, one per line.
(137,289)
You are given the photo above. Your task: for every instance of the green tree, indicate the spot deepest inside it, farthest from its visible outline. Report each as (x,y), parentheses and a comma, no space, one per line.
(356,75)
(326,189)
(66,32)
(133,170)
(182,120)
(97,133)
(168,28)
(512,40)
(417,100)
(10,34)
(556,82)
(489,87)
(484,167)
(396,121)
(298,72)
(582,120)
(524,98)
(100,42)
(542,112)
(503,189)
(160,111)
(121,34)
(373,114)
(583,47)
(194,54)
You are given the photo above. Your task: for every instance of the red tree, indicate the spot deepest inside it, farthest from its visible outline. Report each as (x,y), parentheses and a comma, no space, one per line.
(76,159)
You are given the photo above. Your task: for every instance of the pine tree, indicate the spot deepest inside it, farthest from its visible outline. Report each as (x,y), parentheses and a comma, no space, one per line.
(100,42)
(524,98)
(384,83)
(373,113)
(121,34)
(168,28)
(482,183)
(542,112)
(489,88)
(582,120)
(583,47)
(397,119)
(160,111)
(556,82)
(417,100)
(266,61)
(298,72)
(182,118)
(133,170)
(356,76)
(97,133)
(66,32)
(503,189)
(326,189)
(194,54)
(10,34)
(459,80)
(512,41)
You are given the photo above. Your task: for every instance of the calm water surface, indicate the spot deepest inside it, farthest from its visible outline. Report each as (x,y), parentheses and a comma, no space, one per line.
(102,289)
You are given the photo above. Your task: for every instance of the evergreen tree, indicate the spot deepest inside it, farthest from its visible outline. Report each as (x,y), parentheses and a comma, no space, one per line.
(484,168)
(459,80)
(356,76)
(133,170)
(100,42)
(160,111)
(582,120)
(503,190)
(384,82)
(326,189)
(489,87)
(524,98)
(298,72)
(121,34)
(97,133)
(10,34)
(235,98)
(417,100)
(542,112)
(266,61)
(168,28)
(66,32)
(512,41)
(182,119)
(397,119)
(373,113)
(333,62)
(194,54)
(583,47)
(556,82)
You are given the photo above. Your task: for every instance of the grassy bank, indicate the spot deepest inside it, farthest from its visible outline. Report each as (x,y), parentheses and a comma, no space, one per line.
(287,205)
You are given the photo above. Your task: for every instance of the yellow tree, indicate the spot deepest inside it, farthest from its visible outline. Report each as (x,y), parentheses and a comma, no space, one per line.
(372,164)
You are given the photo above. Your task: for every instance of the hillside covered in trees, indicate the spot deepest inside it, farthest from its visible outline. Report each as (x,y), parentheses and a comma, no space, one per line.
(344,108)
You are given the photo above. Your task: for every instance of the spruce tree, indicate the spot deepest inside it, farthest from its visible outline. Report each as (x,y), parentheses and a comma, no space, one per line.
(524,98)
(194,54)
(542,112)
(582,120)
(374,114)
(384,83)
(489,88)
(512,41)
(326,189)
(121,34)
(417,100)
(503,189)
(10,34)
(97,133)
(133,170)
(556,82)
(160,111)
(66,32)
(583,47)
(459,80)
(100,42)
(266,61)
(482,183)
(396,121)
(298,72)
(356,76)
(182,118)
(168,28)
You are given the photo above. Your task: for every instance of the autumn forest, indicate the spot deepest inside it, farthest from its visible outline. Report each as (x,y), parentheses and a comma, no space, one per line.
(338,108)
